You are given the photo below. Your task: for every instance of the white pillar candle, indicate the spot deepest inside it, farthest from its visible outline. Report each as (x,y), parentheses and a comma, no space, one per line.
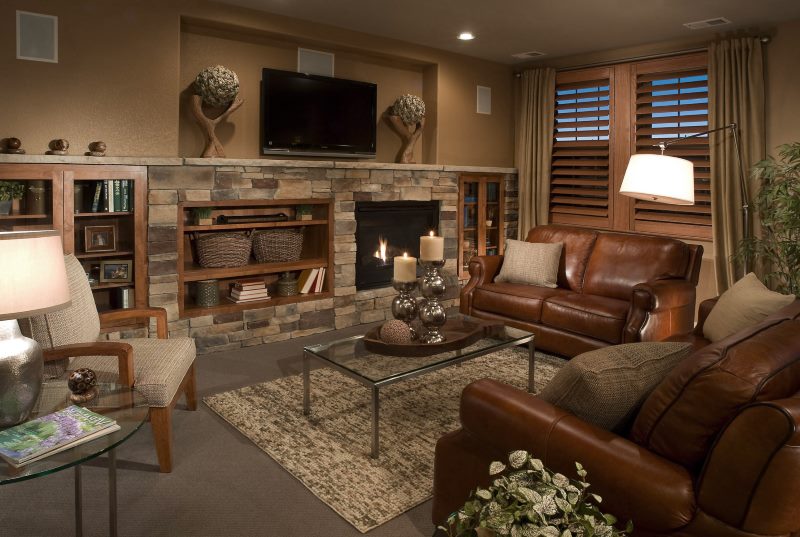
(431,248)
(405,268)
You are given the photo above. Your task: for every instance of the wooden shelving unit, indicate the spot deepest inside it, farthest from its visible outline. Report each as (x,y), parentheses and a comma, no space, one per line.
(481,201)
(317,251)
(26,213)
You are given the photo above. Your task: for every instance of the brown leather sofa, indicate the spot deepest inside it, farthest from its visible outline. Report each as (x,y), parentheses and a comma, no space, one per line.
(612,288)
(714,451)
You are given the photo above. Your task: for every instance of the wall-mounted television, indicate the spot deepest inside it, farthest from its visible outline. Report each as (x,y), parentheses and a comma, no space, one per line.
(317,115)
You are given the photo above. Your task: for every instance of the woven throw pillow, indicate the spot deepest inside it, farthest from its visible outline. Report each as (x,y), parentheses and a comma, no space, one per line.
(746,303)
(607,386)
(534,263)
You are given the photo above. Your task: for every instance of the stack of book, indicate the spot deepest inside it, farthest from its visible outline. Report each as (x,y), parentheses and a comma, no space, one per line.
(50,434)
(112,196)
(249,291)
(311,280)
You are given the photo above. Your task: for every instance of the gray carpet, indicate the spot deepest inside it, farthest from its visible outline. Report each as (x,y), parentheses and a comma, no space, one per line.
(222,484)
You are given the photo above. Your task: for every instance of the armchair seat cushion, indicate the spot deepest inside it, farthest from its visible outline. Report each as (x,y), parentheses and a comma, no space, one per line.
(518,300)
(159,367)
(594,316)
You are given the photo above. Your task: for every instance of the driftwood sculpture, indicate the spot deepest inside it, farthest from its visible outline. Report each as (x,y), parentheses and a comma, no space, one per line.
(208,125)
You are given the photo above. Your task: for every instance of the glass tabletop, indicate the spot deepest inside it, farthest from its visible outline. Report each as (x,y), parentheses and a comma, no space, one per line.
(351,355)
(121,403)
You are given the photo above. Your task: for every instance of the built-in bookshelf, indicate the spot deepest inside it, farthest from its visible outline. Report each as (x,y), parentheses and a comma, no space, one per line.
(481,217)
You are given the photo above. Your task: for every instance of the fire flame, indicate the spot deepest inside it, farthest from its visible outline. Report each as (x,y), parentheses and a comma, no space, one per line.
(380,253)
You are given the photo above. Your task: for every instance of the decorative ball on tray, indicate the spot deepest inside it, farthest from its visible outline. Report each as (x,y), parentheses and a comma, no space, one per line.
(395,331)
(83,385)
(410,108)
(218,86)
(97,149)
(58,146)
(13,146)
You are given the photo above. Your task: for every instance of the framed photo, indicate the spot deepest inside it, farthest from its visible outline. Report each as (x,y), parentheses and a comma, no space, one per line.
(116,271)
(100,238)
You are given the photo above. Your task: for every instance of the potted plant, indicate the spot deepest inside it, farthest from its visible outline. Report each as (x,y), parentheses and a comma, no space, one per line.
(777,203)
(10,191)
(526,499)
(303,212)
(202,216)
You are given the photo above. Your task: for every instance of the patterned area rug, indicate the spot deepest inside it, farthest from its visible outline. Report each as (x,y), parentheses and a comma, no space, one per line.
(329,451)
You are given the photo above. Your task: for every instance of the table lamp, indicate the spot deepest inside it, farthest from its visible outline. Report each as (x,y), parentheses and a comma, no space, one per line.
(33,280)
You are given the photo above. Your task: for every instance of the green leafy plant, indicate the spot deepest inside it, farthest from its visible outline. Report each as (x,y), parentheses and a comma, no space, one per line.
(11,190)
(528,500)
(201,212)
(777,204)
(303,209)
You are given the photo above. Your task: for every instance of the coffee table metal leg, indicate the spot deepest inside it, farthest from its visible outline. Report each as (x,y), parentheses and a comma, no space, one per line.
(375,422)
(531,366)
(306,384)
(78,502)
(112,492)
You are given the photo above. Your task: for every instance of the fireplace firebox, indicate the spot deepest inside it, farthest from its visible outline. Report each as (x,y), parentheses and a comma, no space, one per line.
(385,229)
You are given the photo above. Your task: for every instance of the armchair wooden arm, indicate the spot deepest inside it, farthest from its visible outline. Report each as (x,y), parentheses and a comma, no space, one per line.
(122,351)
(160,315)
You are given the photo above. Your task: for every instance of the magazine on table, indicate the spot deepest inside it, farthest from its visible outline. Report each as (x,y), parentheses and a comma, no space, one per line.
(50,434)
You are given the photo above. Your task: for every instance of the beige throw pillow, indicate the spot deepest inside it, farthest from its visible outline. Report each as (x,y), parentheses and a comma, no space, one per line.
(746,303)
(607,386)
(533,263)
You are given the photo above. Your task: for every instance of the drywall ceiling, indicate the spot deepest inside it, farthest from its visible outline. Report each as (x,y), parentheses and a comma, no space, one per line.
(555,27)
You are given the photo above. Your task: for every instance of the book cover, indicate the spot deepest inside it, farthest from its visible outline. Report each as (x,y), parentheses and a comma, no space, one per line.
(320,280)
(98,188)
(117,195)
(303,278)
(126,196)
(246,285)
(106,201)
(241,300)
(44,435)
(307,286)
(249,294)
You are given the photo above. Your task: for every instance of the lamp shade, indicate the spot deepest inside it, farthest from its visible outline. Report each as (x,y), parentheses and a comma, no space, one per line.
(659,178)
(33,278)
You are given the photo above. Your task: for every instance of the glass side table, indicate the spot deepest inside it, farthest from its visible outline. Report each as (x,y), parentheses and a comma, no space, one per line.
(121,403)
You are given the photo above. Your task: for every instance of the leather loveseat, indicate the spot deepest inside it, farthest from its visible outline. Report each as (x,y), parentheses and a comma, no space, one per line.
(714,450)
(612,288)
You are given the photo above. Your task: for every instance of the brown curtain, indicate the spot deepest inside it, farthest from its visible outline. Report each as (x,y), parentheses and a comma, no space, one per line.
(735,95)
(534,144)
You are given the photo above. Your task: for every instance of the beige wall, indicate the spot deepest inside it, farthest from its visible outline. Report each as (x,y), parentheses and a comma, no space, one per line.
(123,66)
(783,86)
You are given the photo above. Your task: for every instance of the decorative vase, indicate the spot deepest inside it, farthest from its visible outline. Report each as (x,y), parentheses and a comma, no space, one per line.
(21,370)
(36,198)
(5,207)
(207,293)
(287,285)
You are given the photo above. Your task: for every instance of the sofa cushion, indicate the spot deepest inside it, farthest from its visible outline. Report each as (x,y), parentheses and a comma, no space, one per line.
(619,261)
(520,301)
(605,387)
(599,317)
(530,263)
(578,244)
(684,414)
(746,303)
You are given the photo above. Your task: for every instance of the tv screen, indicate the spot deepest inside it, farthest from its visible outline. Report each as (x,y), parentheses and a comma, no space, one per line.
(317,115)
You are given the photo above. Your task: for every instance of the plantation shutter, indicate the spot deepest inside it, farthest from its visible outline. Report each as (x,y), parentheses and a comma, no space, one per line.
(579,181)
(670,105)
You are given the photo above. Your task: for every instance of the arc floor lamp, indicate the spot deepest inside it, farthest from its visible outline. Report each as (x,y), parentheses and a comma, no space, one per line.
(666,179)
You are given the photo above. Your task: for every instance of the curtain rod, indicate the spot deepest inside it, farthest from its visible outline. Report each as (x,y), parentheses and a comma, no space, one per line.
(764,40)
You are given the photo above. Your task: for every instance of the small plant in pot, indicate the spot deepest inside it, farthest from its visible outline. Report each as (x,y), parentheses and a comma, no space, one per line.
(528,500)
(202,216)
(303,212)
(10,191)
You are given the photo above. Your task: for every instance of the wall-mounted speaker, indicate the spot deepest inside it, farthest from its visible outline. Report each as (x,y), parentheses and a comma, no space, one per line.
(484,100)
(37,37)
(314,62)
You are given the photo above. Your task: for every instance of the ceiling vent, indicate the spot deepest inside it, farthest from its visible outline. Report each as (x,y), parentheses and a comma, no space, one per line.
(528,55)
(708,23)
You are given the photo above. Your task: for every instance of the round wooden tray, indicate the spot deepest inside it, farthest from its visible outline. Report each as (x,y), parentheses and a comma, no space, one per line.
(459,333)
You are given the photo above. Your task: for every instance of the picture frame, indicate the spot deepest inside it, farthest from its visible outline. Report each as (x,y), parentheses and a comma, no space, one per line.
(116,271)
(100,238)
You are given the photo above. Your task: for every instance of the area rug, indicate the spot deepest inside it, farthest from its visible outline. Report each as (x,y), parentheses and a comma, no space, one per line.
(329,451)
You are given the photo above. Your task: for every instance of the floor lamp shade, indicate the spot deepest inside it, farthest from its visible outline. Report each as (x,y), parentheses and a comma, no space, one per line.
(659,178)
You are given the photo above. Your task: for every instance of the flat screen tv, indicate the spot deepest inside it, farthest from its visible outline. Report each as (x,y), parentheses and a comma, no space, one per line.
(317,115)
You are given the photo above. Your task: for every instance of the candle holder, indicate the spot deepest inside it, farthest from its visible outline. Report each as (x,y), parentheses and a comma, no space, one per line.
(404,306)
(432,313)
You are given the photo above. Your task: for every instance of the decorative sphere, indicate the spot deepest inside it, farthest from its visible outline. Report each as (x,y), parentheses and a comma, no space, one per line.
(59,144)
(395,331)
(218,85)
(82,380)
(98,147)
(13,143)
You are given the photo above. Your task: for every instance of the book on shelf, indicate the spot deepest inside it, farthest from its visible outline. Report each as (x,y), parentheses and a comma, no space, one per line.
(50,434)
(248,299)
(252,283)
(320,282)
(306,281)
(106,198)
(117,195)
(126,196)
(253,293)
(98,190)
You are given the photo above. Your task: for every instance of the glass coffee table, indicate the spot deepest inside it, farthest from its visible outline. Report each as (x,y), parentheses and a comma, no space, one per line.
(349,357)
(121,403)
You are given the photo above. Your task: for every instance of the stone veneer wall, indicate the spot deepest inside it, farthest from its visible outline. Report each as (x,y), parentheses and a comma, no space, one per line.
(346,183)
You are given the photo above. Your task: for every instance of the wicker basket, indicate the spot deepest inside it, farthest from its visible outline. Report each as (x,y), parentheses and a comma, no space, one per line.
(223,250)
(278,245)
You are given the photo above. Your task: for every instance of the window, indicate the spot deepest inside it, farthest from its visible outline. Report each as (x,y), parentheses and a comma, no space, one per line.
(603,116)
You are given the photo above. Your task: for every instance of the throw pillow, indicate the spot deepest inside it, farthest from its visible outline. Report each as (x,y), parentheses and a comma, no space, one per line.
(607,386)
(746,303)
(534,263)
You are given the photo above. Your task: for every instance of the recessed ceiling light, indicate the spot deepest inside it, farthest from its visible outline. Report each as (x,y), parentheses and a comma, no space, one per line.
(466,36)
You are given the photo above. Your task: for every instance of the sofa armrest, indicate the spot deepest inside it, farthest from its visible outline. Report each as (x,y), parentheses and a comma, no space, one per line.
(630,478)
(160,314)
(122,351)
(659,309)
(702,314)
(482,269)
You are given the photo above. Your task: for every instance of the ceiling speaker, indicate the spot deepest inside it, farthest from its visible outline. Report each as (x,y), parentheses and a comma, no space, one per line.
(484,100)
(314,62)
(37,37)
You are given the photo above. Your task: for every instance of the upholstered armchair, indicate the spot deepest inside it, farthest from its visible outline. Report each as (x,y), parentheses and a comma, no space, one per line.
(161,369)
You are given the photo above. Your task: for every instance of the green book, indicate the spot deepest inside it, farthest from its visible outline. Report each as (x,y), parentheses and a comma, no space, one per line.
(46,435)
(117,195)
(96,198)
(126,196)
